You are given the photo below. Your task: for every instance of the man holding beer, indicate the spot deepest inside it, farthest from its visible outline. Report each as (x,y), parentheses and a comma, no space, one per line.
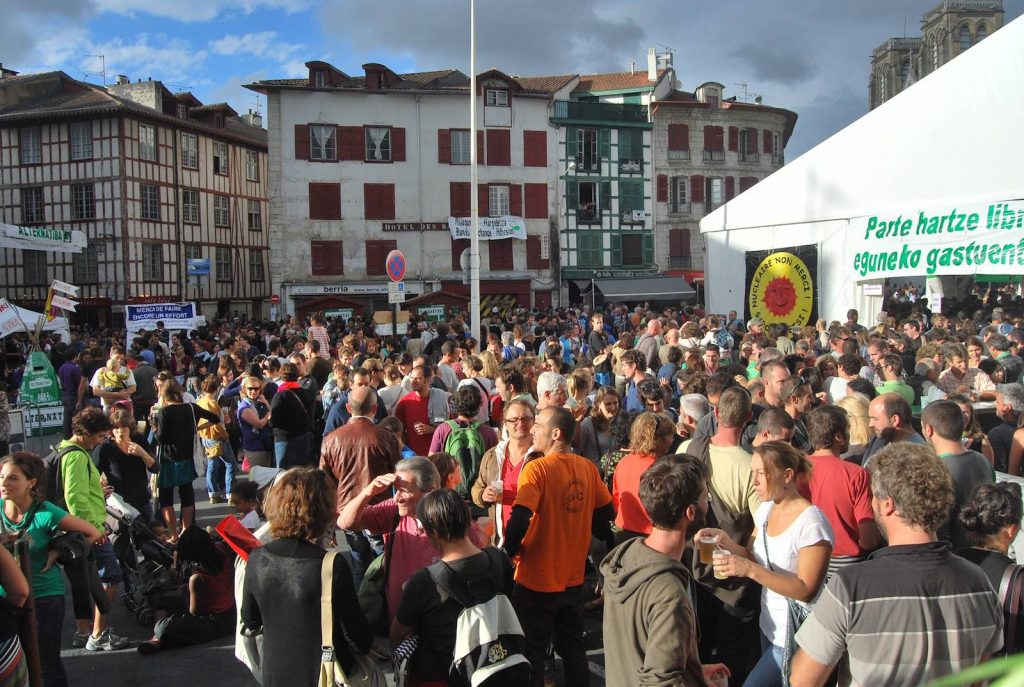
(650,631)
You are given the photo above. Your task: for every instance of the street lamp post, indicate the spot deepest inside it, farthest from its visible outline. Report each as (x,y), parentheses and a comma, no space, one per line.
(474,200)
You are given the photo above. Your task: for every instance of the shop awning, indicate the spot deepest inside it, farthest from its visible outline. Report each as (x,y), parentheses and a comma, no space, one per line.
(648,288)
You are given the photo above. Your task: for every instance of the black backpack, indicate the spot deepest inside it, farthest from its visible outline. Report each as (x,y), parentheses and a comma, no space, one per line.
(489,641)
(54,483)
(735,591)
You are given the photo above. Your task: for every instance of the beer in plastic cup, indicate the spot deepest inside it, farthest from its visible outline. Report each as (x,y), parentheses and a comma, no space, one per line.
(140,427)
(498,485)
(720,554)
(706,544)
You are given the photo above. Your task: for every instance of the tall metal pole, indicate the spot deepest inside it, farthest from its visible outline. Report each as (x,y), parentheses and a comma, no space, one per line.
(474,200)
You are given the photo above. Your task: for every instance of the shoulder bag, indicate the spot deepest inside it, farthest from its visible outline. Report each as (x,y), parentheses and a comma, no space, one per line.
(199,457)
(365,673)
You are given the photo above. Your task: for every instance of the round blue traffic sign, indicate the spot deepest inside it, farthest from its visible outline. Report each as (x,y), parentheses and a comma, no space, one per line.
(395,264)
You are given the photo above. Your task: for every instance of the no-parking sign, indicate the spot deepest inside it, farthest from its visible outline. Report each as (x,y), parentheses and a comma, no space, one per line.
(395,264)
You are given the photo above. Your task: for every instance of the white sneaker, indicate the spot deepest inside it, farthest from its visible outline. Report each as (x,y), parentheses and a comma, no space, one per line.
(107,641)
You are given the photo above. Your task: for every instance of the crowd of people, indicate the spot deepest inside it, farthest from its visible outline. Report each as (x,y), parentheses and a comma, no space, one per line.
(745,503)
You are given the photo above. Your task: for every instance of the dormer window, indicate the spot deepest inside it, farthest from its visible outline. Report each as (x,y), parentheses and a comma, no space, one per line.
(182,111)
(496,97)
(218,120)
(710,95)
(319,78)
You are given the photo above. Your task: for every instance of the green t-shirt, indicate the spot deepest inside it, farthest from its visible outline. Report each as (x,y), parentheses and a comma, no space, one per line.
(43,527)
(752,371)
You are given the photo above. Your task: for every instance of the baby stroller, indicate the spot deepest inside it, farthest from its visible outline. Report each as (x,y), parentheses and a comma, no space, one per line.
(145,560)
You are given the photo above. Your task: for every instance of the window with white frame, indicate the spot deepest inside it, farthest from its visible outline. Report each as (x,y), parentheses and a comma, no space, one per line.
(680,199)
(85,266)
(152,262)
(323,143)
(147,142)
(256,272)
(223,264)
(32,205)
(319,78)
(149,197)
(252,165)
(31,145)
(193,251)
(220,157)
(190,151)
(190,206)
(81,140)
(218,120)
(714,192)
(255,215)
(460,146)
(83,201)
(378,143)
(498,200)
(496,97)
(34,264)
(221,213)
(182,111)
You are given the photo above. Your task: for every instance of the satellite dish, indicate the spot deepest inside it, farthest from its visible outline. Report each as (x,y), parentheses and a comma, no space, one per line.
(758,100)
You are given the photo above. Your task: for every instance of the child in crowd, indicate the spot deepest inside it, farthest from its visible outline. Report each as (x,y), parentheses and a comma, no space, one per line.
(395,425)
(245,500)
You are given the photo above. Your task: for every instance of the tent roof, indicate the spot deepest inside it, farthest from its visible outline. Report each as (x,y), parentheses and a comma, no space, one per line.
(649,288)
(951,137)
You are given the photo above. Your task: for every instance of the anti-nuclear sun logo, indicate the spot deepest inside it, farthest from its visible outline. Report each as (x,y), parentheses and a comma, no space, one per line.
(781,290)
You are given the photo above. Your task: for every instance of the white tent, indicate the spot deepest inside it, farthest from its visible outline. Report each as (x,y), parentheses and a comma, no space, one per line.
(31,318)
(939,166)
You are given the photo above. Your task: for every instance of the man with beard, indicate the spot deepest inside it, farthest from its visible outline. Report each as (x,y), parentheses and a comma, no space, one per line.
(913,611)
(650,629)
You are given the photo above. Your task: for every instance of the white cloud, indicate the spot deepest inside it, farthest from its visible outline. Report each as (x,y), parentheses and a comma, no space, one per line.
(197,10)
(263,44)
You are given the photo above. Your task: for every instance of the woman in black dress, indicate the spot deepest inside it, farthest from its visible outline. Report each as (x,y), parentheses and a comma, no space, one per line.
(176,426)
(281,593)
(125,462)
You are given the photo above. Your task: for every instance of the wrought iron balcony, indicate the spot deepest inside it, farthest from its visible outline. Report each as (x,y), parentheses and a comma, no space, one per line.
(714,155)
(600,112)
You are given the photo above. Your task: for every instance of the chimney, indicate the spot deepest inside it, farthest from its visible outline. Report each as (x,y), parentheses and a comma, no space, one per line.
(122,79)
(652,65)
(632,67)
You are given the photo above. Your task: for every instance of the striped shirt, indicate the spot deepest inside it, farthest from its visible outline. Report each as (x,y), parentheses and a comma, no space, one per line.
(908,615)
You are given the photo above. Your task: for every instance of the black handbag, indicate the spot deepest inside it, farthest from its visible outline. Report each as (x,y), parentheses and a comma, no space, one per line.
(71,547)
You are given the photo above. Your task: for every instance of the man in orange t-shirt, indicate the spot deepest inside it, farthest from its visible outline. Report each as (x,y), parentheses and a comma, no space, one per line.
(560,502)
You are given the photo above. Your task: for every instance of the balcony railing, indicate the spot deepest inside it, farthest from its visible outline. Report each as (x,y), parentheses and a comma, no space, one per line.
(680,262)
(778,159)
(585,215)
(631,166)
(749,157)
(714,155)
(679,155)
(602,112)
(680,209)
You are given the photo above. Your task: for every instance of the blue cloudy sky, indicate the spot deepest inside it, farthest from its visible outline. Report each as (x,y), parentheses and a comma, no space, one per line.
(810,56)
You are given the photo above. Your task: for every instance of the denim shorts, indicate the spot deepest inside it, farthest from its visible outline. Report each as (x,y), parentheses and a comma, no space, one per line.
(106,563)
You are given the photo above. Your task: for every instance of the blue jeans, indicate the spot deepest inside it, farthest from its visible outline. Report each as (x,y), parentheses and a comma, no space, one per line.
(220,472)
(295,451)
(50,624)
(768,671)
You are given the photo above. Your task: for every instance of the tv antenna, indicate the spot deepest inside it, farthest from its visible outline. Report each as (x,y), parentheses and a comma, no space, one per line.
(747,95)
(102,73)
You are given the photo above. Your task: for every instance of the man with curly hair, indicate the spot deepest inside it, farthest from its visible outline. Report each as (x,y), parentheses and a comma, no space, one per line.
(913,611)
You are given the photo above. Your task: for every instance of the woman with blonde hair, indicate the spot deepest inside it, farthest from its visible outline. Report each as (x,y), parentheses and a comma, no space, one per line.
(788,554)
(578,384)
(490,368)
(856,407)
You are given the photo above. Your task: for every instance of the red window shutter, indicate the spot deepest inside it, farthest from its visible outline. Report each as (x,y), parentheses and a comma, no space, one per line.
(662,188)
(327,257)
(674,240)
(678,137)
(535,149)
(709,137)
(500,254)
(398,144)
(533,259)
(351,143)
(730,187)
(379,201)
(515,200)
(459,194)
(536,201)
(719,138)
(444,146)
(376,254)
(734,139)
(499,147)
(301,141)
(767,139)
(458,245)
(324,201)
(684,242)
(697,188)
(747,182)
(480,148)
(483,200)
